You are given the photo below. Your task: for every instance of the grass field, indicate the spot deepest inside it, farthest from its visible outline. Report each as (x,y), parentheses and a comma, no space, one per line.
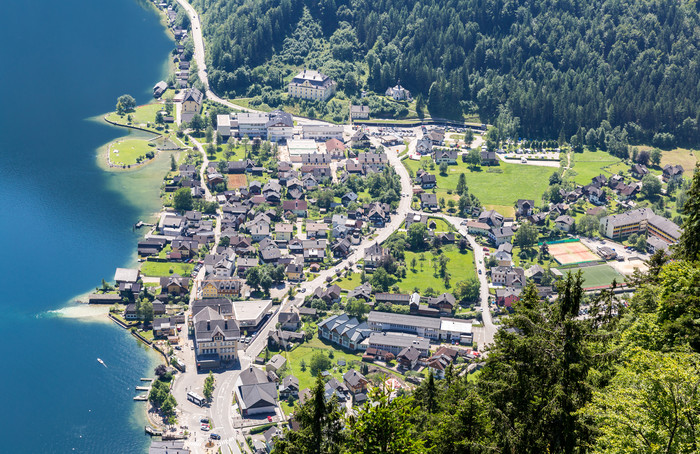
(125,152)
(590,164)
(140,117)
(461,267)
(349,283)
(496,187)
(440,225)
(597,276)
(150,268)
(304,353)
(683,156)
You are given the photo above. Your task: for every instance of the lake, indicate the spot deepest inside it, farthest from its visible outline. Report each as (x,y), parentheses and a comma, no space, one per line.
(67,223)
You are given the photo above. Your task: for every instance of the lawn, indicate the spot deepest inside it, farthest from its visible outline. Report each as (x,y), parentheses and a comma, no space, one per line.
(151,268)
(305,352)
(460,267)
(590,164)
(140,117)
(349,283)
(496,187)
(681,156)
(126,152)
(441,225)
(597,276)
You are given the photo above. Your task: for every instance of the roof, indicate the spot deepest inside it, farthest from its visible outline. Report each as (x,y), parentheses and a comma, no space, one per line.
(126,275)
(455,326)
(401,319)
(400,340)
(354,378)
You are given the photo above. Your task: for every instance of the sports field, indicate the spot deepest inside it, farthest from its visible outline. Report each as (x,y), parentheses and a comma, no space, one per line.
(236,181)
(569,253)
(598,276)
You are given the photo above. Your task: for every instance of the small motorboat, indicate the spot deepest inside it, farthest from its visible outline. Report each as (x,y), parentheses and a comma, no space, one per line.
(101,362)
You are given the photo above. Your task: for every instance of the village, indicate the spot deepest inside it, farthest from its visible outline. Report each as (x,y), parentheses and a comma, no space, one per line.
(369,254)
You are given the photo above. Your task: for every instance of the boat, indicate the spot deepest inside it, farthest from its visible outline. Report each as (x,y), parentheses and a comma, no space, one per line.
(101,362)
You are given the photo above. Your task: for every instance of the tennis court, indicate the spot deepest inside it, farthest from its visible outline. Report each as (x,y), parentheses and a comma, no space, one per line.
(572,252)
(597,276)
(236,181)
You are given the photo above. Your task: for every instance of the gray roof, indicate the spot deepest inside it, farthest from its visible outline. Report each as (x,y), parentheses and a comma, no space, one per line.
(400,340)
(208,323)
(126,275)
(224,304)
(401,319)
(168,447)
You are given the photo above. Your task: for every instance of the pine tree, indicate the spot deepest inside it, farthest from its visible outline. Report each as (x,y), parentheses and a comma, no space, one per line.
(689,244)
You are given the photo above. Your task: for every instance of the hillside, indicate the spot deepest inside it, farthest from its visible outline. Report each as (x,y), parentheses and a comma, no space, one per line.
(558,65)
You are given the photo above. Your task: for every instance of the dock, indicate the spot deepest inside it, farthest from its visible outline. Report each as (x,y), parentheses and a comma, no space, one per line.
(146,379)
(141,398)
(152,432)
(143,388)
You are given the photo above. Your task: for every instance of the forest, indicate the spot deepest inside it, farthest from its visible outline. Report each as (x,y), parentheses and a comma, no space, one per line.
(624,379)
(560,66)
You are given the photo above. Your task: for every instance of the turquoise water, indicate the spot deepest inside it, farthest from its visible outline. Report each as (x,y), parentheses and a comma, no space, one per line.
(66,223)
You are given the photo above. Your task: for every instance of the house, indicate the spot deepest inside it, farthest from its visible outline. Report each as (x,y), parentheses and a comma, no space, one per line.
(345,331)
(524,207)
(428,201)
(216,338)
(284,339)
(260,231)
(599,181)
(159,89)
(436,136)
(289,320)
(255,394)
(311,85)
(508,276)
(276,364)
(252,124)
(427,327)
(298,207)
(445,303)
(272,434)
(501,235)
(335,148)
(505,297)
(283,232)
(564,223)
(488,158)
(398,93)
(426,180)
(127,280)
(243,264)
(130,312)
(408,357)
(355,382)
(164,327)
(378,214)
(596,195)
(638,171)
(535,273)
(280,126)
(289,387)
(359,139)
(330,295)
(362,291)
(335,388)
(441,359)
(359,112)
(491,218)
(424,146)
(672,172)
(322,131)
(174,285)
(478,228)
(375,255)
(445,156)
(191,104)
(295,272)
(341,248)
(217,288)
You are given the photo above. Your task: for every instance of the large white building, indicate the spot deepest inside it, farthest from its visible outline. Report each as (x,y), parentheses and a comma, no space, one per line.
(253,125)
(642,220)
(280,126)
(322,132)
(312,85)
